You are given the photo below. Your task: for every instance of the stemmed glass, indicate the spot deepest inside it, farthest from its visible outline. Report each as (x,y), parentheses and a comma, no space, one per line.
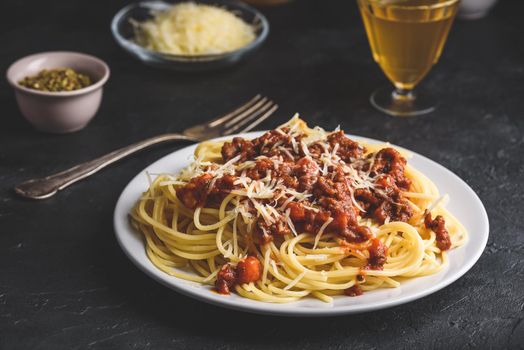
(406,39)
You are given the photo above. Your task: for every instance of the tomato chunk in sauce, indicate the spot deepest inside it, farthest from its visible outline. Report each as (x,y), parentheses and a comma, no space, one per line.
(247,270)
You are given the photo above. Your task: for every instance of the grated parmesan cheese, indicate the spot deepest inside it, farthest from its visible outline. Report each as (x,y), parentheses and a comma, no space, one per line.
(290,222)
(194,29)
(321,231)
(295,281)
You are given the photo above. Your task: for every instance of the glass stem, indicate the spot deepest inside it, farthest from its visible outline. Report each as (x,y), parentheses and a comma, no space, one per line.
(403,95)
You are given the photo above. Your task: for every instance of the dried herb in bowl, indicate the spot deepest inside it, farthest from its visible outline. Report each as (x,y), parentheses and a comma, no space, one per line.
(56,80)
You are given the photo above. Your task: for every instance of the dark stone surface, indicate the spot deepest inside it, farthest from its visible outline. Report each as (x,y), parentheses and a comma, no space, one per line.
(64,282)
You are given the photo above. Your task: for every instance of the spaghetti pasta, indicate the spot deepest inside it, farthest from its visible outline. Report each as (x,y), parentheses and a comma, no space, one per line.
(296,212)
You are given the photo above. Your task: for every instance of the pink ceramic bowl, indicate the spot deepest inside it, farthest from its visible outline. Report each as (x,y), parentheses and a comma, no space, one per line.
(59,112)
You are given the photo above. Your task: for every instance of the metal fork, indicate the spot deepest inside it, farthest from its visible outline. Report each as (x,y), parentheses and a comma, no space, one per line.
(242,119)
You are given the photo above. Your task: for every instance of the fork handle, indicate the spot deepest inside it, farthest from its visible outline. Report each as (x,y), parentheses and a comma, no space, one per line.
(47,186)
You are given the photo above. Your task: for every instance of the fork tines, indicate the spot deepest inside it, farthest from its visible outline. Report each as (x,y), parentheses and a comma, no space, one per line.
(247,116)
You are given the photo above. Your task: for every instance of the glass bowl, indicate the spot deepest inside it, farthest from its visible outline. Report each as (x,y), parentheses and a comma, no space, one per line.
(123,31)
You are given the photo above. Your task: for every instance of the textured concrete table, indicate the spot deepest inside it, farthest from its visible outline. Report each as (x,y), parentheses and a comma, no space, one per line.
(65,283)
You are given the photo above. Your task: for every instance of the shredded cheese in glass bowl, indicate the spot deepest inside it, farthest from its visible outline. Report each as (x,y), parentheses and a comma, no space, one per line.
(194,29)
(189,36)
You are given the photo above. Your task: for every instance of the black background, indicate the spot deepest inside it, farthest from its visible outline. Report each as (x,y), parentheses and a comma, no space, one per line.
(65,283)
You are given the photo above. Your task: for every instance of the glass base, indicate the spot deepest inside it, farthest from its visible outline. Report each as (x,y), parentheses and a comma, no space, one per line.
(400,103)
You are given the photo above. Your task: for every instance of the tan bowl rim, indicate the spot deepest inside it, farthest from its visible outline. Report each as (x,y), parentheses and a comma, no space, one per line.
(82,91)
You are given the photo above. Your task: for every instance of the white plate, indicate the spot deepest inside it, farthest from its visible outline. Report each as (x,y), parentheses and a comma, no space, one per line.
(464,203)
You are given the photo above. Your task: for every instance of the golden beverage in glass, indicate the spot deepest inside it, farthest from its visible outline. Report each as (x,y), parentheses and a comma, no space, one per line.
(406,38)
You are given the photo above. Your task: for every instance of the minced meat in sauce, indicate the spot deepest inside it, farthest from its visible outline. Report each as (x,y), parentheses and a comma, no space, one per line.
(353,291)
(438,225)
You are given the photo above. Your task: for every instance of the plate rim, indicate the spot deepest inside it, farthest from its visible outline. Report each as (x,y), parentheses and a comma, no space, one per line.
(259,307)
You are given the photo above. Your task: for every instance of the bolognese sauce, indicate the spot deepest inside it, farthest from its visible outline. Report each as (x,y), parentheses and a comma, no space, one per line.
(327,184)
(438,225)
